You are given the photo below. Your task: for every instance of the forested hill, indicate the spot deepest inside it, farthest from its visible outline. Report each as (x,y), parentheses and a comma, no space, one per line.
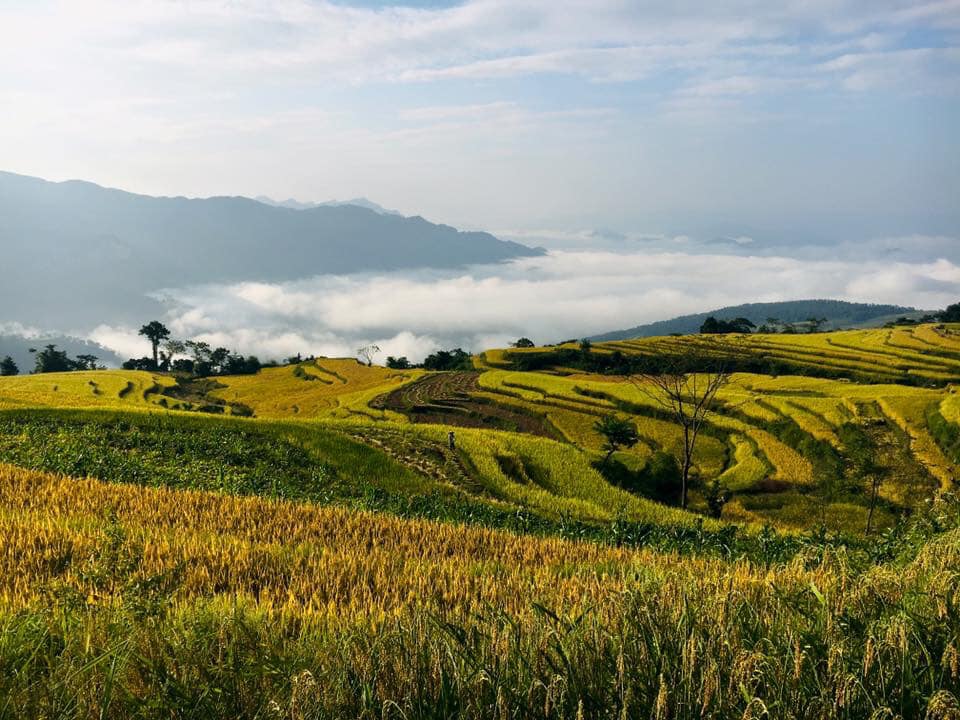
(106,249)
(838,313)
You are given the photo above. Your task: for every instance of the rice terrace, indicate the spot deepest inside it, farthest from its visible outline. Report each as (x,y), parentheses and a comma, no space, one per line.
(324,538)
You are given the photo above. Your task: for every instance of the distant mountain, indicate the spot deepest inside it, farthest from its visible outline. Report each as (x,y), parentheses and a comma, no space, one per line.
(77,254)
(297,205)
(839,314)
(18,348)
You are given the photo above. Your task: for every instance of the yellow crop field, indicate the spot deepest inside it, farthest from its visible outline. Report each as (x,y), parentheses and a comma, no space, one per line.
(950,408)
(292,606)
(335,563)
(312,577)
(551,477)
(88,388)
(327,387)
(924,352)
(909,414)
(748,467)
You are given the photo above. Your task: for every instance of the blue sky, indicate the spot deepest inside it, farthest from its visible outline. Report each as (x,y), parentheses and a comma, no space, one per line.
(800,120)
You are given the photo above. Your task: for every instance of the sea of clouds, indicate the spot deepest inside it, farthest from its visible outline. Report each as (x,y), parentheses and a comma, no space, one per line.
(564,294)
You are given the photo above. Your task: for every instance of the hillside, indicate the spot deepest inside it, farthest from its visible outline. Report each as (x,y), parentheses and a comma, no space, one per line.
(381,543)
(104,250)
(838,313)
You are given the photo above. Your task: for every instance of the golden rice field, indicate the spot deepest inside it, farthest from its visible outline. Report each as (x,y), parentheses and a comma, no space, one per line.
(327,387)
(207,605)
(128,389)
(917,355)
(767,426)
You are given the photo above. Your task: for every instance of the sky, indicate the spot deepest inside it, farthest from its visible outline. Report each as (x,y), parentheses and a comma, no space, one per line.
(802,118)
(673,156)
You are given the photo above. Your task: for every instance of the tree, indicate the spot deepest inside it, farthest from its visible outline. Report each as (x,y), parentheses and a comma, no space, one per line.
(457,359)
(398,363)
(201,355)
(171,348)
(367,353)
(814,324)
(155,332)
(712,326)
(218,359)
(523,343)
(618,432)
(52,360)
(86,362)
(951,314)
(716,496)
(689,398)
(143,363)
(8,367)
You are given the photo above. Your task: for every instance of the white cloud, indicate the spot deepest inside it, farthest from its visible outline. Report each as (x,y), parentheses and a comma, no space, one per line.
(563,295)
(930,70)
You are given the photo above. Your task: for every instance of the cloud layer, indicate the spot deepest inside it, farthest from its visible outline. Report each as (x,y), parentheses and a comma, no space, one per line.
(560,296)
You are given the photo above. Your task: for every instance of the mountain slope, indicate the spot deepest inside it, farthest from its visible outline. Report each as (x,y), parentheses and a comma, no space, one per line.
(104,250)
(839,314)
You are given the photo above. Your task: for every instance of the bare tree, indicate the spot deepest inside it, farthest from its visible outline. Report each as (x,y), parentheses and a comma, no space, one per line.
(171,348)
(688,397)
(367,353)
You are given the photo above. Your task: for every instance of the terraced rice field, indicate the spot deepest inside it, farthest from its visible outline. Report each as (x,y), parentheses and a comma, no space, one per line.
(923,355)
(94,388)
(762,433)
(779,444)
(327,387)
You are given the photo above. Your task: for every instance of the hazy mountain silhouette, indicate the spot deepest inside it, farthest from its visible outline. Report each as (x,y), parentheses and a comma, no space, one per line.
(297,205)
(76,253)
(839,314)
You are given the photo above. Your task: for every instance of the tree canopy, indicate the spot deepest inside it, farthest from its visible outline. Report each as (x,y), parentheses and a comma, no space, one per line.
(8,367)
(712,326)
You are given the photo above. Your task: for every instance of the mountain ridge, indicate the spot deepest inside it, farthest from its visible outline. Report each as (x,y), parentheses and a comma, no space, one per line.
(839,313)
(107,249)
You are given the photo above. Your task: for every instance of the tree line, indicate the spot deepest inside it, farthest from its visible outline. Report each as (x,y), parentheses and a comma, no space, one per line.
(50,359)
(201,359)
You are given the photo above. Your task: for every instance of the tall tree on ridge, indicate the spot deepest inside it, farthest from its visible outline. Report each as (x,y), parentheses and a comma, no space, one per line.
(155,331)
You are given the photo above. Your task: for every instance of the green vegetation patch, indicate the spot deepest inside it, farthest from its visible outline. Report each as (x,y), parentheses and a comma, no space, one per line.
(200,453)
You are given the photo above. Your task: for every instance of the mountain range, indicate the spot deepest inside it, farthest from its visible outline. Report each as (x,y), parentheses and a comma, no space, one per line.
(87,254)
